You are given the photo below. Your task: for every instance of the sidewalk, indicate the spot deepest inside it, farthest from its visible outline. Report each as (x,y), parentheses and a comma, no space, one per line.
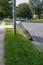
(2,33)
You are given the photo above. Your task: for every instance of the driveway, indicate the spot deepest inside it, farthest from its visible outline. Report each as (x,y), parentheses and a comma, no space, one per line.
(36,31)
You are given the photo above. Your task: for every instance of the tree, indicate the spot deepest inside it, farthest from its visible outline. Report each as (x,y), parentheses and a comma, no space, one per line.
(36,6)
(23,10)
(5,8)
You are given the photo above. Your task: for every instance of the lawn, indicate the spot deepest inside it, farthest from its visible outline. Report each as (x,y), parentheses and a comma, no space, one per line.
(0,22)
(20,51)
(36,20)
(7,23)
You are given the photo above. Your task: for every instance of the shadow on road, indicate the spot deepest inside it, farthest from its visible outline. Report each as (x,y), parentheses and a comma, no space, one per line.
(38,39)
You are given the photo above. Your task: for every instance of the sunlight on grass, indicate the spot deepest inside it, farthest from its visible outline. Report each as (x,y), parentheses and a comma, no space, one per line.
(0,22)
(7,23)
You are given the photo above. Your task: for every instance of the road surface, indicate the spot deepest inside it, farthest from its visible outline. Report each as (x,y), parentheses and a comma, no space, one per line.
(36,31)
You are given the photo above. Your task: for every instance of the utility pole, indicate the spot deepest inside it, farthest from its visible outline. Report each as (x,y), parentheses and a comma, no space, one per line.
(14,16)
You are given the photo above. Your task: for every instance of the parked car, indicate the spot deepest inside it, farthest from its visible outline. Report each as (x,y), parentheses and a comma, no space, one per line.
(17,21)
(22,20)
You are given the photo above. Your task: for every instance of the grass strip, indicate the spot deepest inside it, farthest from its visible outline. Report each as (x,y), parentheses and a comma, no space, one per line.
(7,23)
(0,22)
(36,20)
(20,51)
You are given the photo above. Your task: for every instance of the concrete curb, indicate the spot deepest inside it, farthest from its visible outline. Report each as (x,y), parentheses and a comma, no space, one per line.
(23,31)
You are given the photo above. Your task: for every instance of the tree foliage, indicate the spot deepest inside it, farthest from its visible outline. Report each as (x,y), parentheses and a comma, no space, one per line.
(23,10)
(5,9)
(36,6)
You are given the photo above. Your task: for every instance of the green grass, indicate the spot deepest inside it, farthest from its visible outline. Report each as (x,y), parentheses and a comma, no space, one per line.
(36,20)
(20,51)
(0,22)
(7,23)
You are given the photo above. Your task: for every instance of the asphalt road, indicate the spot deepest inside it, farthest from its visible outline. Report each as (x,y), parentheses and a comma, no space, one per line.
(36,31)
